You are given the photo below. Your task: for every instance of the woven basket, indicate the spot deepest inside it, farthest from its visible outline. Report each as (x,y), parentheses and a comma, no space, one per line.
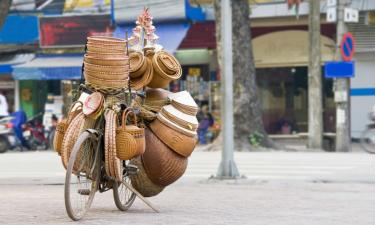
(105,48)
(138,64)
(162,165)
(107,55)
(122,84)
(179,121)
(107,75)
(106,69)
(119,61)
(181,141)
(166,68)
(130,147)
(105,40)
(143,81)
(71,137)
(185,109)
(62,126)
(142,183)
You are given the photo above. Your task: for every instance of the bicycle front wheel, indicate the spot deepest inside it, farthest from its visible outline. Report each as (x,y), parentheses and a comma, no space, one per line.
(123,197)
(82,173)
(368,140)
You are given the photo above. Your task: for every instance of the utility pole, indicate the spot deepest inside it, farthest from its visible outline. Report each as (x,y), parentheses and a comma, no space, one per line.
(227,168)
(315,126)
(342,97)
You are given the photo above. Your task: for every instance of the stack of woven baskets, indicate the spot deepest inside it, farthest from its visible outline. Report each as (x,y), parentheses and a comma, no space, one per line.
(153,69)
(106,64)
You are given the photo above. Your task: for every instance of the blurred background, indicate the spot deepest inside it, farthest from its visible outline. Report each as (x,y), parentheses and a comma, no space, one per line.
(42,45)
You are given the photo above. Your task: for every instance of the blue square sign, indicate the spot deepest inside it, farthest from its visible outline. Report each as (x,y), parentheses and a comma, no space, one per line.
(334,69)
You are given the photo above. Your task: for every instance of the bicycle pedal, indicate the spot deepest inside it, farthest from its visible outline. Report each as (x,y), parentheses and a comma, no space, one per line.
(84,191)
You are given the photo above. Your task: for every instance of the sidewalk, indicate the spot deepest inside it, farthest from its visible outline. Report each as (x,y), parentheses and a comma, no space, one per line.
(336,189)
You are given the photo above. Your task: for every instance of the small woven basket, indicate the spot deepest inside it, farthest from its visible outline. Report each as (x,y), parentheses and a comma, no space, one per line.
(62,126)
(166,68)
(130,139)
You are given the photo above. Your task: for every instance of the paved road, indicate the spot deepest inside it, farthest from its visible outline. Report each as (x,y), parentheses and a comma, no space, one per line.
(283,188)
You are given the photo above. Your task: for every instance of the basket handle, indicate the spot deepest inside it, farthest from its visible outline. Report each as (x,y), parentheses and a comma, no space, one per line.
(125,115)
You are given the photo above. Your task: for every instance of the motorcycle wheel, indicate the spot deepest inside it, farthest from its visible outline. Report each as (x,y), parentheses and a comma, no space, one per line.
(4,144)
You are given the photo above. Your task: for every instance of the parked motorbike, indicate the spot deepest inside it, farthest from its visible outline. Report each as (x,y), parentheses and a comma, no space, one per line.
(8,140)
(367,139)
(35,131)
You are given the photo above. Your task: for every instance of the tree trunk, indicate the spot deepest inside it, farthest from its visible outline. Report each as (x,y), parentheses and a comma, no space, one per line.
(4,9)
(247,107)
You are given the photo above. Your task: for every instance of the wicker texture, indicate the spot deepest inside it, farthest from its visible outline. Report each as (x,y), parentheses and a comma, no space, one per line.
(162,165)
(175,139)
(113,61)
(142,81)
(62,126)
(166,68)
(106,69)
(179,121)
(138,64)
(136,145)
(112,163)
(142,183)
(120,84)
(71,137)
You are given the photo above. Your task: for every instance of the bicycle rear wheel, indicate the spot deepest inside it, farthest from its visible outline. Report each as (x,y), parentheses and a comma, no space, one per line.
(82,173)
(368,140)
(123,197)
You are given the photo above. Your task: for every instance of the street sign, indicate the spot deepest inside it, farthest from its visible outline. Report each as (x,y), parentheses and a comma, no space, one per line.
(347,47)
(334,69)
(351,15)
(331,15)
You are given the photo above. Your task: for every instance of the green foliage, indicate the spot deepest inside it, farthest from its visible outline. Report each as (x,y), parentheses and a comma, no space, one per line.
(256,139)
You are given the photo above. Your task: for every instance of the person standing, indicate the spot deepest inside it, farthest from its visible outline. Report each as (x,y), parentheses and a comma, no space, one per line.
(3,106)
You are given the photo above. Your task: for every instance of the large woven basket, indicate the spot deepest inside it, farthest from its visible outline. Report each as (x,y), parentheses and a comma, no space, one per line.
(180,140)
(62,126)
(166,68)
(71,137)
(162,165)
(142,183)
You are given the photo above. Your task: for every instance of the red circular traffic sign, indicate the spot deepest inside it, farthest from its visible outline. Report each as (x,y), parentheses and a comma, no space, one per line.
(347,47)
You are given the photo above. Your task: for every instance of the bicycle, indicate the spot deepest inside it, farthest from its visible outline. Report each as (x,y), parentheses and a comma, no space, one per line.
(367,139)
(86,170)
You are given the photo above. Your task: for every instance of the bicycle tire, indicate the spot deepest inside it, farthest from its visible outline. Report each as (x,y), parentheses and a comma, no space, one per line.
(77,214)
(123,197)
(364,141)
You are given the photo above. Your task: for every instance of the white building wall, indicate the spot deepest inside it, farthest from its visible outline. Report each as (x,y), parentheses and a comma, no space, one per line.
(362,104)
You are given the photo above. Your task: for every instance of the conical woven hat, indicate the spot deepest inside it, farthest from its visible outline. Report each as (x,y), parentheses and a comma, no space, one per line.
(183,98)
(180,115)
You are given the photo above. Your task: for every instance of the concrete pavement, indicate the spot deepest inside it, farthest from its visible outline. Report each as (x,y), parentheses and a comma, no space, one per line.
(281,188)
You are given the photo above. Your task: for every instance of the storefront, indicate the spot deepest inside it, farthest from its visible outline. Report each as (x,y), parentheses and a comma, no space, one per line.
(281,60)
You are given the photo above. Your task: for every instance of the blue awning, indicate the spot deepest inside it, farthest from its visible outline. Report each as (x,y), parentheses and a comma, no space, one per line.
(170,34)
(59,67)
(19,29)
(8,61)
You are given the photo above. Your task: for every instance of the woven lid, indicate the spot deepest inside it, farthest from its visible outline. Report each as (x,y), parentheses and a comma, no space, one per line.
(183,98)
(169,109)
(92,103)
(137,59)
(175,126)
